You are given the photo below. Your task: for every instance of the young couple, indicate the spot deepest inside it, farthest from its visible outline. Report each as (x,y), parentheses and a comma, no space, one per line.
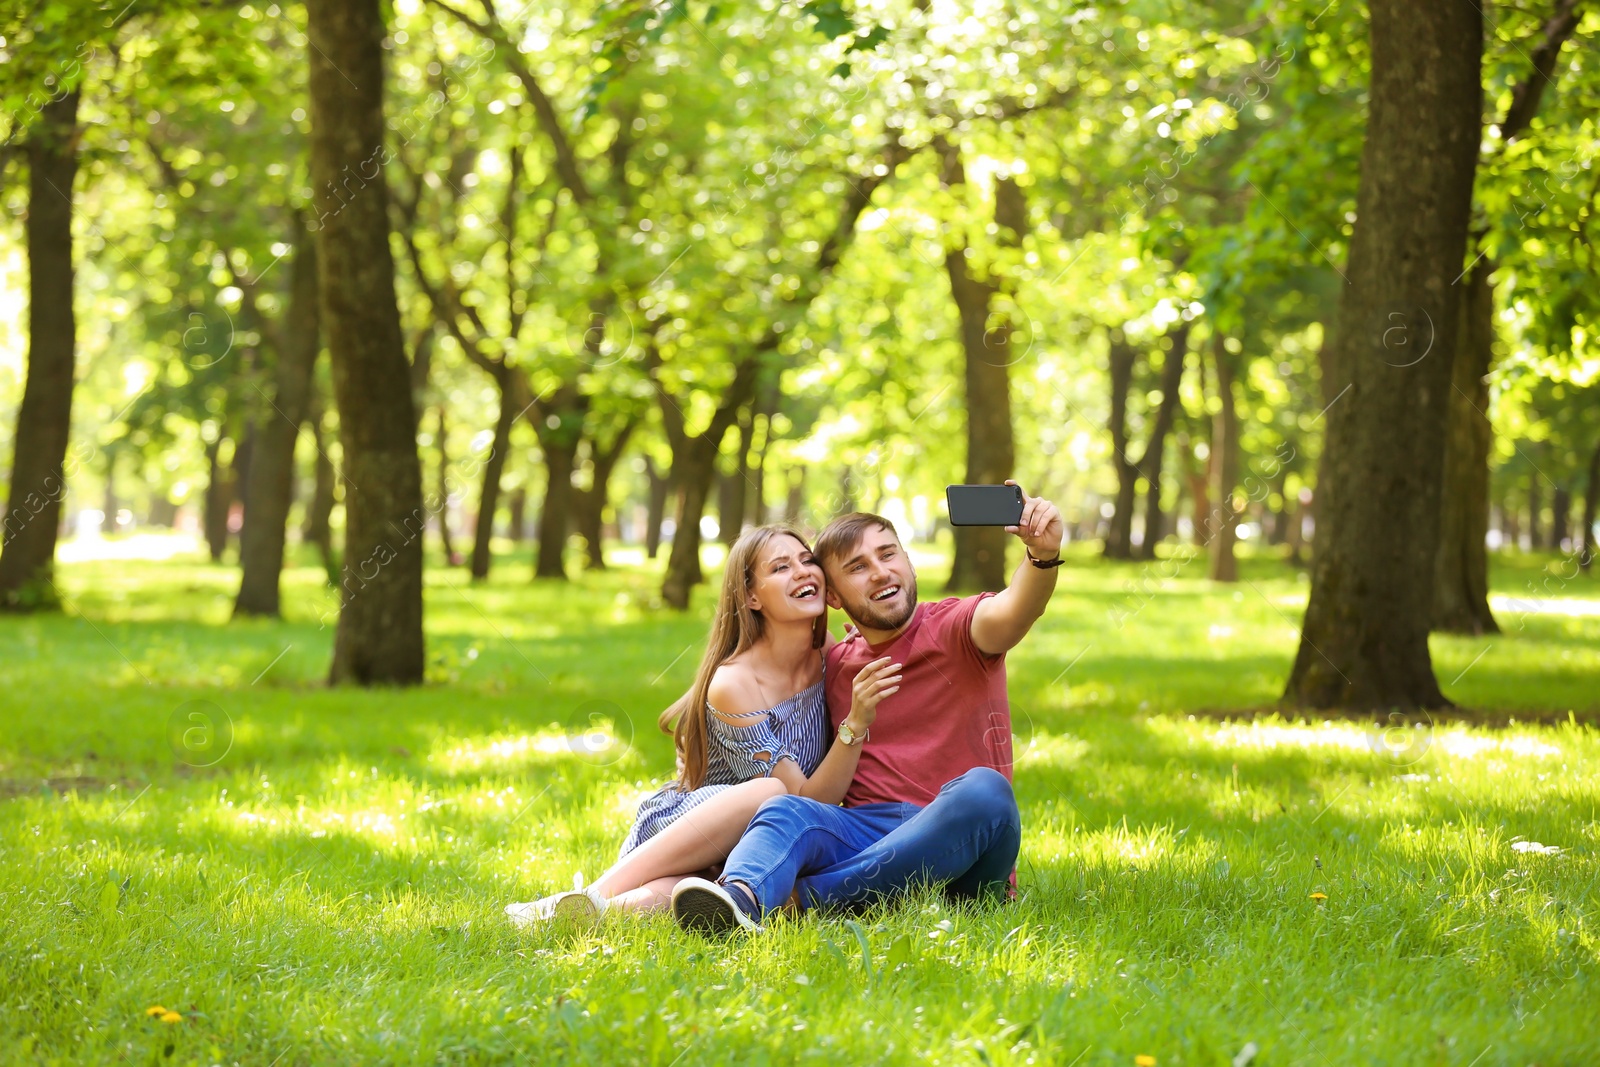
(905,722)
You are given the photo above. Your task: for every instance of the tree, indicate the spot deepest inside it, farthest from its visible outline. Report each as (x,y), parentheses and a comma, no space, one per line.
(1591,509)
(1461,567)
(318,526)
(33,512)
(1152,462)
(379,637)
(560,414)
(1222,525)
(270,489)
(781,301)
(1124,355)
(1461,563)
(980,555)
(1365,638)
(592,500)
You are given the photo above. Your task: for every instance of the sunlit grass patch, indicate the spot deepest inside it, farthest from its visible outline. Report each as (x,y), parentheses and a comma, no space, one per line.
(1402,742)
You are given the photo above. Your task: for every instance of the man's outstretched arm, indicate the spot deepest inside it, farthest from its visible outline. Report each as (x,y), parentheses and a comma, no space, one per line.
(1004,619)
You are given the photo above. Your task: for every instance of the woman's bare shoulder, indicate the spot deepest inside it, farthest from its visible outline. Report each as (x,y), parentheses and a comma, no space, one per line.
(733,693)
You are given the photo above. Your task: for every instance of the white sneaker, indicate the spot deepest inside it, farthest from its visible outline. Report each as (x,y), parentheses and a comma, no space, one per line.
(708,908)
(577,906)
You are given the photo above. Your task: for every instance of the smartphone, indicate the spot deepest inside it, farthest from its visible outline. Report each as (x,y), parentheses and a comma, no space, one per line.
(984,505)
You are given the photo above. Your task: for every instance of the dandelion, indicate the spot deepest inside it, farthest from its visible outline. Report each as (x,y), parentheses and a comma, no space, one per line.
(155,1009)
(1142,1060)
(172,1017)
(1319,897)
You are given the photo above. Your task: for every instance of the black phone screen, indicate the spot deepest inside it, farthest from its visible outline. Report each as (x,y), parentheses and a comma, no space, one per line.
(984,505)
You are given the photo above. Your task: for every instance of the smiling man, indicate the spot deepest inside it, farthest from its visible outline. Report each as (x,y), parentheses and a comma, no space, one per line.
(931,802)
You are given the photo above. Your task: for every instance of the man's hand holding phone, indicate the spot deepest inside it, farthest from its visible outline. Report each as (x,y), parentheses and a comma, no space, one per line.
(1040,527)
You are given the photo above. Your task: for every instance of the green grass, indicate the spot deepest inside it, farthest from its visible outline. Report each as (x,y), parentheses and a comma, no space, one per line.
(328,890)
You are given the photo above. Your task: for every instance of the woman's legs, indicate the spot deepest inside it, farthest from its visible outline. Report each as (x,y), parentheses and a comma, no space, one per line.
(655,895)
(703,836)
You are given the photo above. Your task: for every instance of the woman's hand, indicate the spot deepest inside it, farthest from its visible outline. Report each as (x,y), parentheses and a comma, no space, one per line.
(874,682)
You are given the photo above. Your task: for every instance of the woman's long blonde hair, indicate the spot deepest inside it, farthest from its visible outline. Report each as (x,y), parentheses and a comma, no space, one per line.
(735,627)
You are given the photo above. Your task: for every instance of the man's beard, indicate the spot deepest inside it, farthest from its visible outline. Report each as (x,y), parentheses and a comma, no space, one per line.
(867,613)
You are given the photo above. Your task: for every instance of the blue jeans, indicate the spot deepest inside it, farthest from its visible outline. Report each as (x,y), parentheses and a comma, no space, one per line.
(967,838)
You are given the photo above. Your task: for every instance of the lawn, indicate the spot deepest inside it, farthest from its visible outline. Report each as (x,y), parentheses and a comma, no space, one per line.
(190,820)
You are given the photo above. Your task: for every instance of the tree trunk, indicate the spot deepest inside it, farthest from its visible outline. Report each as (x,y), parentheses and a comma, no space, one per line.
(1278,533)
(1535,513)
(692,474)
(694,464)
(1300,509)
(244,453)
(1200,489)
(489,495)
(555,515)
(1222,531)
(44,421)
(218,498)
(980,551)
(318,528)
(110,505)
(451,559)
(733,485)
(1154,457)
(847,492)
(1365,639)
(379,639)
(980,555)
(1512,525)
(1560,518)
(794,500)
(420,369)
(1591,510)
(1119,535)
(656,510)
(592,502)
(756,502)
(559,426)
(1197,473)
(1461,565)
(517,515)
(270,489)
(588,518)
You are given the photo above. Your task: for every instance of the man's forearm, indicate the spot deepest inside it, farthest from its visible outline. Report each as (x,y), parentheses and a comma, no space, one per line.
(1003,620)
(1031,588)
(1010,614)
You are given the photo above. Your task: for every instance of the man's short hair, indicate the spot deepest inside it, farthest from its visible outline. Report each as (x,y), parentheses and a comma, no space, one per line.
(844,533)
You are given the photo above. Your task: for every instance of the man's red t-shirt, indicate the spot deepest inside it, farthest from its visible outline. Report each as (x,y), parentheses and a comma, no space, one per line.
(950,715)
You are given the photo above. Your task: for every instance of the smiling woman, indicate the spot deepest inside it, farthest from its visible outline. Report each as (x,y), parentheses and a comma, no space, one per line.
(751,727)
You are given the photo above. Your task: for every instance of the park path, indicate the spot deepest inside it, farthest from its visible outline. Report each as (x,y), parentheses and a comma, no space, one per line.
(1547,606)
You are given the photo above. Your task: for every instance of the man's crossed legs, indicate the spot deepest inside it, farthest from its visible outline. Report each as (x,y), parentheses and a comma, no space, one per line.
(827,856)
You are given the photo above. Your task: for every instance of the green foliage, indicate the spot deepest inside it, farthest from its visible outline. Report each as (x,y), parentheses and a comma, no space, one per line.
(1178,163)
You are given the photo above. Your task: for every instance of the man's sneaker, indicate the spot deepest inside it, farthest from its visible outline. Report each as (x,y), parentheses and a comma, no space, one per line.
(707,908)
(577,906)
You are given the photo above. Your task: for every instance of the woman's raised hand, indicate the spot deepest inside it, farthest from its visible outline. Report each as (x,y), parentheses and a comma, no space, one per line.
(874,682)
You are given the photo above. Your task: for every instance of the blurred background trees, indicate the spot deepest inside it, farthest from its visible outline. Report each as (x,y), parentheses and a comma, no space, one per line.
(658,273)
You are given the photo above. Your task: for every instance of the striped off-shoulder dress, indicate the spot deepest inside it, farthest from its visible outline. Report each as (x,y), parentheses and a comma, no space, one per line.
(796,728)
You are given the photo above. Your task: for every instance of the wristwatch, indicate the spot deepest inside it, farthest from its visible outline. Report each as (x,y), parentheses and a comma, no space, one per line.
(1045,564)
(849,736)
